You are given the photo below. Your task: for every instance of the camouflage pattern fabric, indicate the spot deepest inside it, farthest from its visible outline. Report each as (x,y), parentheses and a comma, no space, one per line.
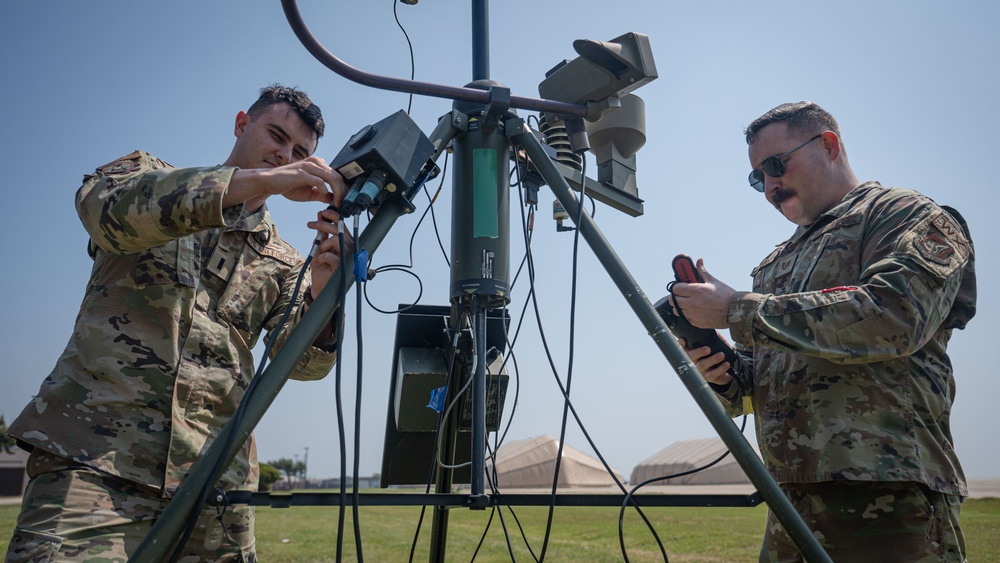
(159,358)
(876,522)
(848,324)
(74,513)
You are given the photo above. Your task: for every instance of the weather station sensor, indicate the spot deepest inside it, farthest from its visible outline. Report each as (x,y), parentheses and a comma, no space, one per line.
(614,140)
(604,69)
(382,159)
(602,77)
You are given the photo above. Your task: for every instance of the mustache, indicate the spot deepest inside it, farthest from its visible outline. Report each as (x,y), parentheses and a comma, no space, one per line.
(781,195)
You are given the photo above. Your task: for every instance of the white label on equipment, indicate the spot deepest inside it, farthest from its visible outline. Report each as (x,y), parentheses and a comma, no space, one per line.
(350,170)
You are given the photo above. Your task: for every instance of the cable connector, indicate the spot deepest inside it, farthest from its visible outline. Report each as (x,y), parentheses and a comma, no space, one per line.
(559,214)
(362,194)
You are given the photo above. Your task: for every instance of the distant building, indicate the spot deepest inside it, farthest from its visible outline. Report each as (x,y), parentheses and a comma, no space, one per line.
(531,463)
(685,457)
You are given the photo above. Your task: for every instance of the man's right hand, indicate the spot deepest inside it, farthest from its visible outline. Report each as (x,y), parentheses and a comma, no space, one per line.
(304,180)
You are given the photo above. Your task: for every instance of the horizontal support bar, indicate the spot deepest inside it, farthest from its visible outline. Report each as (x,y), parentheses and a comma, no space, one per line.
(286,500)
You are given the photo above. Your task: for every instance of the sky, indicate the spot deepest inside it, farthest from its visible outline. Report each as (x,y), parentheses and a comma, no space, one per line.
(913,85)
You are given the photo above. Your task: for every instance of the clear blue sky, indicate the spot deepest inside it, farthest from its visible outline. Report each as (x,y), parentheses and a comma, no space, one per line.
(913,84)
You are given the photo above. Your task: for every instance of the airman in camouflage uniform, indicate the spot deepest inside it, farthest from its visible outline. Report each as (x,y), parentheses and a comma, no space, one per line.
(189,271)
(845,336)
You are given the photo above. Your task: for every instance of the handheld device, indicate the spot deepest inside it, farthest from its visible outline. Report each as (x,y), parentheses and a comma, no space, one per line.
(685,271)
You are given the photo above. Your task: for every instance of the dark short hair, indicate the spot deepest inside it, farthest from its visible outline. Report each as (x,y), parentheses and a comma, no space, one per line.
(801,117)
(300,102)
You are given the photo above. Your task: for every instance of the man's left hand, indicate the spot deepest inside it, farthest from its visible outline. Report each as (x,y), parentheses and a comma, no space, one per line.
(327,259)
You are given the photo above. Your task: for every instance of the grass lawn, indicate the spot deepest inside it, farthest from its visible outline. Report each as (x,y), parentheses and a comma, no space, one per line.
(304,534)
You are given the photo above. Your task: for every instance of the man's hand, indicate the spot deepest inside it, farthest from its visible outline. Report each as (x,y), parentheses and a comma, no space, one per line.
(705,305)
(713,367)
(327,259)
(306,180)
(309,179)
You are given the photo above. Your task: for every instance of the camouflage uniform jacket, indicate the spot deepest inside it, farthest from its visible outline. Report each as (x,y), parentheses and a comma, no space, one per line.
(848,324)
(159,357)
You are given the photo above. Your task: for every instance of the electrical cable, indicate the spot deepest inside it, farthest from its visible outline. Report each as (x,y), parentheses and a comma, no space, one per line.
(631,493)
(341,317)
(498,512)
(526,230)
(524,535)
(527,222)
(413,66)
(357,403)
(482,537)
(409,108)
(569,368)
(433,215)
(420,290)
(438,462)
(407,267)
(629,496)
(458,396)
(500,437)
(533,299)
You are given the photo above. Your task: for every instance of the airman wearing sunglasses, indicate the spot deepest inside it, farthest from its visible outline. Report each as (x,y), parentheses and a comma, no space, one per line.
(846,330)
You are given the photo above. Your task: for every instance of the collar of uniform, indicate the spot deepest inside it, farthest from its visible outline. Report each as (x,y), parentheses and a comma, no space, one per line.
(839,210)
(253,222)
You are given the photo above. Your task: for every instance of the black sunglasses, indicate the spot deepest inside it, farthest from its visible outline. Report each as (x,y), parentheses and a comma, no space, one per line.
(773,166)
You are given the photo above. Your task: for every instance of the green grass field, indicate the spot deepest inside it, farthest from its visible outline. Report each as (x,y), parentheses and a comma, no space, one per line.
(306,534)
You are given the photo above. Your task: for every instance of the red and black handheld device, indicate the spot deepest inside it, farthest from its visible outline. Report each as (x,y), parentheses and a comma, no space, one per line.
(686,272)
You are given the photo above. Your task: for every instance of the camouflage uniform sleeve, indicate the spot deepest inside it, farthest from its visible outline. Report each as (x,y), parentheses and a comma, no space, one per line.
(911,269)
(138,202)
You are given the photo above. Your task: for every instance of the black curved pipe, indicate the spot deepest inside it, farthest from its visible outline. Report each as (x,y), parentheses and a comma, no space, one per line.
(413,86)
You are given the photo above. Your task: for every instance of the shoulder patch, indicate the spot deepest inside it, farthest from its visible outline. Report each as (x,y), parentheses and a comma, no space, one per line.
(136,160)
(938,242)
(943,239)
